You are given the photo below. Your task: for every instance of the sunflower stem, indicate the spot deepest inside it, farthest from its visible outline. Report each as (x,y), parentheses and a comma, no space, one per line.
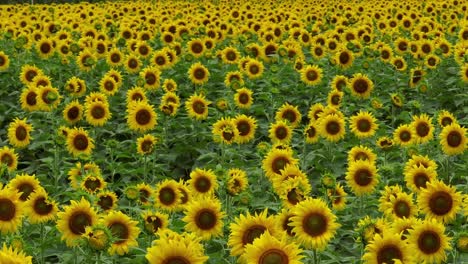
(316,260)
(42,242)
(447,171)
(145,175)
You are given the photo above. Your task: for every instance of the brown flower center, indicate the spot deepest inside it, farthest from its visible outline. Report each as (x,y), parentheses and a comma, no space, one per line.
(429,242)
(78,222)
(7,209)
(252,233)
(206,219)
(388,253)
(273,256)
(143,117)
(362,177)
(42,207)
(202,184)
(440,203)
(81,142)
(119,231)
(454,139)
(21,133)
(315,224)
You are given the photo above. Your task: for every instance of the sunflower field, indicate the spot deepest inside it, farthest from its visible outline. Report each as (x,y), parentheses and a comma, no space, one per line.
(189,132)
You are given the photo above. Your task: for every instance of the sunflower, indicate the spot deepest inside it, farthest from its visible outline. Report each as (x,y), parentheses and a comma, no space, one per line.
(404,135)
(290,114)
(397,99)
(169,85)
(428,241)
(384,143)
(280,132)
(28,72)
(42,80)
(167,195)
(143,192)
(95,96)
(108,85)
(9,158)
(74,219)
(106,200)
(453,139)
(75,86)
(141,116)
(292,190)
(97,237)
(246,125)
(344,58)
(363,124)
(269,249)
(362,177)
(19,133)
(315,111)
(254,69)
(337,196)
(132,63)
(4,61)
(13,255)
(245,229)
(237,181)
(399,63)
(29,100)
(196,47)
(79,143)
(197,106)
(243,98)
(86,60)
(313,223)
(361,86)
(123,229)
(387,248)
(276,160)
(416,76)
(311,133)
(202,182)
(361,153)
(45,48)
(48,98)
(176,249)
(368,227)
(136,94)
(339,82)
(311,75)
(73,112)
(418,160)
(97,113)
(143,49)
(332,127)
(198,73)
(225,131)
(401,206)
(40,208)
(230,55)
(335,98)
(155,222)
(93,183)
(386,53)
(402,226)
(446,118)
(464,72)
(204,218)
(160,59)
(417,177)
(151,77)
(145,144)
(440,201)
(114,57)
(423,128)
(25,184)
(11,211)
